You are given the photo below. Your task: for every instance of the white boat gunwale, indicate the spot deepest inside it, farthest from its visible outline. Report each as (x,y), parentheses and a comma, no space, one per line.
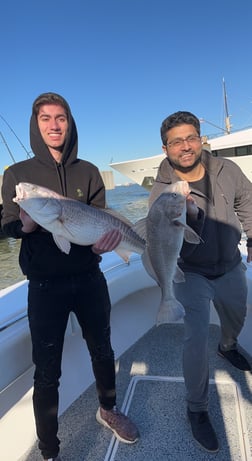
(129,323)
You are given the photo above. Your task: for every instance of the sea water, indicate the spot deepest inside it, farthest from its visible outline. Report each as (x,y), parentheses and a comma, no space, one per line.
(131,201)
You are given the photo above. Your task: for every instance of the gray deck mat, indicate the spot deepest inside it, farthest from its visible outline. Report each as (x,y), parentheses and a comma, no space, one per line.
(150,389)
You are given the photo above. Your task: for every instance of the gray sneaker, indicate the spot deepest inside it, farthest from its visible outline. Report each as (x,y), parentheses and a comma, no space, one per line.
(123,428)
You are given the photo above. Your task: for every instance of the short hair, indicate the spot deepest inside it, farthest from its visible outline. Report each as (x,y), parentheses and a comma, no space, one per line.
(176,119)
(50,98)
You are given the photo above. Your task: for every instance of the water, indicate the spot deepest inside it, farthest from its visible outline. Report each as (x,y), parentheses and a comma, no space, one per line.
(131,201)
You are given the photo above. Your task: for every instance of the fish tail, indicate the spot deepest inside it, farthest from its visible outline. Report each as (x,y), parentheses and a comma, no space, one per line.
(170,312)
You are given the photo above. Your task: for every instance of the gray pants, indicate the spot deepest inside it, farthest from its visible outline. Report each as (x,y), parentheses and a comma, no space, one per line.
(229,295)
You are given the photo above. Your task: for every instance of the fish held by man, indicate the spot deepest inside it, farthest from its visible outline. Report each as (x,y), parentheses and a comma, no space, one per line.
(72,221)
(165,230)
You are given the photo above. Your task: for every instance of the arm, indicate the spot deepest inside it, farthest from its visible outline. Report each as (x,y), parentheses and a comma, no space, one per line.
(11,223)
(15,222)
(96,189)
(242,206)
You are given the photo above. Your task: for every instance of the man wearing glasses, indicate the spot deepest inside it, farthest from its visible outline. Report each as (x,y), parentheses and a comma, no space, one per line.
(219,194)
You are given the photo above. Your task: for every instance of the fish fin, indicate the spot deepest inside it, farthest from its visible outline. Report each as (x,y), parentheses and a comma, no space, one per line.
(179,275)
(170,312)
(179,221)
(191,236)
(124,254)
(140,228)
(62,243)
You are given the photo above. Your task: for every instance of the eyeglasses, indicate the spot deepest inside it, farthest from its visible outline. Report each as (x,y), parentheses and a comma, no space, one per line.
(179,142)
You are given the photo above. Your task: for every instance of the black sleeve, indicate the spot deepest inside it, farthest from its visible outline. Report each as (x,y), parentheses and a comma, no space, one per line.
(10,222)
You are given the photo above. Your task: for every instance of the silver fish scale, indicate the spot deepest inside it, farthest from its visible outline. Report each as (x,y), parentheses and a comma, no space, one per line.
(88,224)
(74,221)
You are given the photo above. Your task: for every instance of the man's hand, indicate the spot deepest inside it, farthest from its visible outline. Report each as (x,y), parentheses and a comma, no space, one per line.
(108,242)
(191,207)
(28,224)
(249,254)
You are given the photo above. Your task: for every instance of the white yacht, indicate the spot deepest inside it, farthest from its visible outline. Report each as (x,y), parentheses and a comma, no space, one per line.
(236,145)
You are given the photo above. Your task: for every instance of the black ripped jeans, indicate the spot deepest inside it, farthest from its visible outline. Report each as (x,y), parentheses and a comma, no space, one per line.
(49,305)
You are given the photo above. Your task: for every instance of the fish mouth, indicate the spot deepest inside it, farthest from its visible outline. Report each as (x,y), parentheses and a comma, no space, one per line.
(185,189)
(20,193)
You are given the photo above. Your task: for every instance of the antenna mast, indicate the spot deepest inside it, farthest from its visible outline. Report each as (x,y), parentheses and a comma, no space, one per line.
(227,116)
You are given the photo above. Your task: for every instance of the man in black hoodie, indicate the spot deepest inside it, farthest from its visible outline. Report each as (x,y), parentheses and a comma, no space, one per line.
(60,283)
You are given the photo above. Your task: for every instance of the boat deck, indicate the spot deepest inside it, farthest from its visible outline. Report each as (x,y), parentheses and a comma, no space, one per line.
(150,389)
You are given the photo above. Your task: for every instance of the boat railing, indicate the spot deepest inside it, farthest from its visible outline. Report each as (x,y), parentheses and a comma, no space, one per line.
(15,342)
(220,134)
(11,322)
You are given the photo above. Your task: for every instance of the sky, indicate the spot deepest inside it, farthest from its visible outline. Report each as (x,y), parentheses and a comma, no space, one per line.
(123,66)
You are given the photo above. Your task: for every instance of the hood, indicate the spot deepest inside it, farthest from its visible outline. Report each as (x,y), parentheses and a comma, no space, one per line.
(41,150)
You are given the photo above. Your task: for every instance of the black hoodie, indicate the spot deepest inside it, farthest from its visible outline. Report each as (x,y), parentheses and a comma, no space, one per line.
(39,257)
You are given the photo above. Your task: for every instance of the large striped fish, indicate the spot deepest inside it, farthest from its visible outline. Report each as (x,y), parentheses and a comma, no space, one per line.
(72,221)
(165,229)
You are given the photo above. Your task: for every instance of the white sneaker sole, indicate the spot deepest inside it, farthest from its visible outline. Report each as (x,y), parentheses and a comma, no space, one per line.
(105,424)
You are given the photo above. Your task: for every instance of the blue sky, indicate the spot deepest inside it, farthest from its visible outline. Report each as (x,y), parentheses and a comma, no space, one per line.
(123,66)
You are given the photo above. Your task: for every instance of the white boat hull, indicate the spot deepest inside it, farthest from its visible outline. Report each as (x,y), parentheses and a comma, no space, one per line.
(134,297)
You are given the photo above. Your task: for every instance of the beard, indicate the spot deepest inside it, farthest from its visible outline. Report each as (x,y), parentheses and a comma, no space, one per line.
(184,169)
